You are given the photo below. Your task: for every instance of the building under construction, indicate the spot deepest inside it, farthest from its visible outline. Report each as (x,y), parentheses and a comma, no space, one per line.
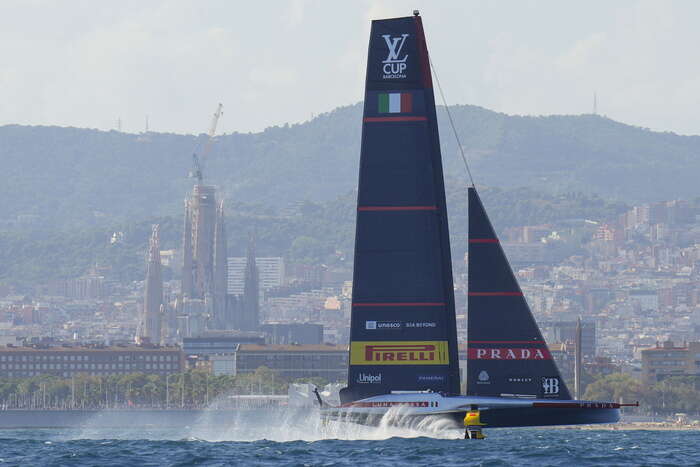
(203,302)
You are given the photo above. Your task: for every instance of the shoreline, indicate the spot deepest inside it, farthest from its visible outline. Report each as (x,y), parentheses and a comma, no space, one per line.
(630,426)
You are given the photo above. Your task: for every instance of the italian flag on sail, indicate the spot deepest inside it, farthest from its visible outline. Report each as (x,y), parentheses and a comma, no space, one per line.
(395,103)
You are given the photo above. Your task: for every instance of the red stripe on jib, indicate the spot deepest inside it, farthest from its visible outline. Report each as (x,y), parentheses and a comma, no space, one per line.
(509,353)
(380,304)
(495,294)
(394,119)
(397,208)
(483,240)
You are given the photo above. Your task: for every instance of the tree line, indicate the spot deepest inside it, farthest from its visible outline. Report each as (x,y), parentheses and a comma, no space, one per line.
(200,389)
(190,389)
(677,394)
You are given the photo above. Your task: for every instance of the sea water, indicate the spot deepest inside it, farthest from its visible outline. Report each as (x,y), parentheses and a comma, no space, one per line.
(297,438)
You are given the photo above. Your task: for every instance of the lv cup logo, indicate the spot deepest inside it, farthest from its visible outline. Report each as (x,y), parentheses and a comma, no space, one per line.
(393,65)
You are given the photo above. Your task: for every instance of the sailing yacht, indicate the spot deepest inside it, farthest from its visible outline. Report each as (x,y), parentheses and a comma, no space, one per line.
(403,338)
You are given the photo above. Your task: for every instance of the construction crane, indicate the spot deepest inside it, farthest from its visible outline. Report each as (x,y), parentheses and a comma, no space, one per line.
(198,161)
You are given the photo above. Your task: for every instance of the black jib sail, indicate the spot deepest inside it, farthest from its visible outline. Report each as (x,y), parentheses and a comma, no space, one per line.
(403,332)
(507,355)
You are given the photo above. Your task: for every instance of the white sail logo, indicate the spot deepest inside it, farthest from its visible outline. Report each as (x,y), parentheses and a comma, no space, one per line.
(394,67)
(364,378)
(550,385)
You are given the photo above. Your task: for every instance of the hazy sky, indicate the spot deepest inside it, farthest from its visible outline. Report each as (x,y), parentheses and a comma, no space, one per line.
(88,63)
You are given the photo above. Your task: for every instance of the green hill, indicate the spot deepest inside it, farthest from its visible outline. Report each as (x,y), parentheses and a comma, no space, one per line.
(316,233)
(78,177)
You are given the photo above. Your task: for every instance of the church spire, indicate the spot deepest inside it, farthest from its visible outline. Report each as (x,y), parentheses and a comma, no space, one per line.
(250,319)
(187,283)
(221,320)
(153,292)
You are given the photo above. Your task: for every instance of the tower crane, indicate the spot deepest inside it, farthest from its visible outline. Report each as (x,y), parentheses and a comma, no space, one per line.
(198,161)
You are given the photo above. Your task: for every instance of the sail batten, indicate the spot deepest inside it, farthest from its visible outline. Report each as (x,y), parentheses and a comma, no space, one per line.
(403,331)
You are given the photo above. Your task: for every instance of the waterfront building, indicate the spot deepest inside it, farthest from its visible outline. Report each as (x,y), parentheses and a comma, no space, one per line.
(295,361)
(226,344)
(67,360)
(293,333)
(217,352)
(665,360)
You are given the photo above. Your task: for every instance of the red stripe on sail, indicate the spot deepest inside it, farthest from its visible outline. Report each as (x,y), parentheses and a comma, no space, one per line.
(397,208)
(394,119)
(406,102)
(394,304)
(495,294)
(483,240)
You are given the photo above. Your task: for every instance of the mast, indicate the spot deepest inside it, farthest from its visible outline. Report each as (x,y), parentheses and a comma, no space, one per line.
(403,329)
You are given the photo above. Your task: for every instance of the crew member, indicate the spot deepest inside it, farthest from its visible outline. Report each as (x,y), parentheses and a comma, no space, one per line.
(472,424)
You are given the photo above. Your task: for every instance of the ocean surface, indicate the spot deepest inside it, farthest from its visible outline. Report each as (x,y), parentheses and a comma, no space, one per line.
(281,438)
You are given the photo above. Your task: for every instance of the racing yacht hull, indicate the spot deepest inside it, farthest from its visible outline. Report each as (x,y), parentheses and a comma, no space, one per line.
(411,408)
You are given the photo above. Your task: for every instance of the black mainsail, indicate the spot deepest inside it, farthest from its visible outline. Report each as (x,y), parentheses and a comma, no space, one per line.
(507,355)
(403,330)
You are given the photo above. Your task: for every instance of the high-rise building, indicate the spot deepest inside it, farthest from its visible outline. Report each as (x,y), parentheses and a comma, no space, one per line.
(150,328)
